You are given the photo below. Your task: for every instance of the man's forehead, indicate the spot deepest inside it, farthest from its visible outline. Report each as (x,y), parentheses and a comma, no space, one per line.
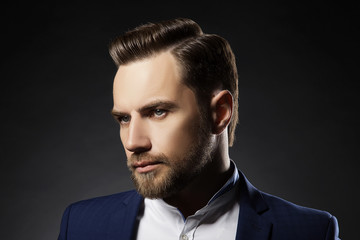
(158,69)
(146,80)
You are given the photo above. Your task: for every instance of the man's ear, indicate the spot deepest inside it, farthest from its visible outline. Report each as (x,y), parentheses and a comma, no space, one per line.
(221,110)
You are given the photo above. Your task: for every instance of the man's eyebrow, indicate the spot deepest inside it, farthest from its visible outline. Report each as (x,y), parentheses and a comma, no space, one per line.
(168,105)
(116,113)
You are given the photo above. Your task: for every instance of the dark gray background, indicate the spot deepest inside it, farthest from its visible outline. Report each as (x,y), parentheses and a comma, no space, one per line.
(298,132)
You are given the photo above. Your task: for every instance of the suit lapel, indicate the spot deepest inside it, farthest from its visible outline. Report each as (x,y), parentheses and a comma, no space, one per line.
(123,222)
(251,224)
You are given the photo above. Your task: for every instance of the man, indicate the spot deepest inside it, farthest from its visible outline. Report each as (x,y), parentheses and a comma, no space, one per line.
(176,99)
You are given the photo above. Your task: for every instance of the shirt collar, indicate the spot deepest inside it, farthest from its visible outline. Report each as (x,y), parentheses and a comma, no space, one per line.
(229,184)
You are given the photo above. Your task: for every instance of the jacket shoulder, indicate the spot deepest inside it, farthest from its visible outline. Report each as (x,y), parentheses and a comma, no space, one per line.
(303,221)
(98,217)
(109,200)
(284,207)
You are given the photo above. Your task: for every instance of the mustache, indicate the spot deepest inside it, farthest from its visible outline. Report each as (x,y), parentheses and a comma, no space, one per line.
(142,157)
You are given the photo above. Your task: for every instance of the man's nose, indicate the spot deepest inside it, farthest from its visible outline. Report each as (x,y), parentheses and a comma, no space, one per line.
(137,140)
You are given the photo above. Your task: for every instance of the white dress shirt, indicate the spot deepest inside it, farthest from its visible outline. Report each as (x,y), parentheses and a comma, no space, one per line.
(217,220)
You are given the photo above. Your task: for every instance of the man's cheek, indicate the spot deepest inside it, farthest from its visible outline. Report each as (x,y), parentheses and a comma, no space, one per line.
(174,141)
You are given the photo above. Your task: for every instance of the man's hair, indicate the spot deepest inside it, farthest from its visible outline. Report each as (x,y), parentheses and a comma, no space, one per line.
(206,60)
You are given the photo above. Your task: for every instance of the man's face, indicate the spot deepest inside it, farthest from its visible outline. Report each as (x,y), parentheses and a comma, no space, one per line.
(165,139)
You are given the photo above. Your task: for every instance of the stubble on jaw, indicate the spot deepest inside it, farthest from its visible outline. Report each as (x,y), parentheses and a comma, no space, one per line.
(173,175)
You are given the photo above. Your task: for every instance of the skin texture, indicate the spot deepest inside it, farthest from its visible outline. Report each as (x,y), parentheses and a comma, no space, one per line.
(172,152)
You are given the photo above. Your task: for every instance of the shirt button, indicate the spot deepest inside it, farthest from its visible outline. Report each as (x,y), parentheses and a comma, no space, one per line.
(184,237)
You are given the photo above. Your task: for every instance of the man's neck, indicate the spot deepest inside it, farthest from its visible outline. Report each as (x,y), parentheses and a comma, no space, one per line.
(199,192)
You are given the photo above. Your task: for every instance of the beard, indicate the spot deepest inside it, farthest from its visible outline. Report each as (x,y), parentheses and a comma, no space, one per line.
(173,175)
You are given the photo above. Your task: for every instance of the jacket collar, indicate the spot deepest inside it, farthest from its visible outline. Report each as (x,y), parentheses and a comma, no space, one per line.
(251,224)
(124,221)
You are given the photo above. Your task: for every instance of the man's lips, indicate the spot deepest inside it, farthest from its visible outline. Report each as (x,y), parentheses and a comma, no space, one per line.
(145,166)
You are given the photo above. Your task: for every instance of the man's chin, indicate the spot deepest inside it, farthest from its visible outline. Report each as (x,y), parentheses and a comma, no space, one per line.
(148,184)
(155,185)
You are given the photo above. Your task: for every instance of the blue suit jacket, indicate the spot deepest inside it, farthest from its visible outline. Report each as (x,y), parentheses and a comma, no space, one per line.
(262,217)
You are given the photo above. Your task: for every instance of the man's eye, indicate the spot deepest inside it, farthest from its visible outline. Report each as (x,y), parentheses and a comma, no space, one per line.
(159,112)
(124,119)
